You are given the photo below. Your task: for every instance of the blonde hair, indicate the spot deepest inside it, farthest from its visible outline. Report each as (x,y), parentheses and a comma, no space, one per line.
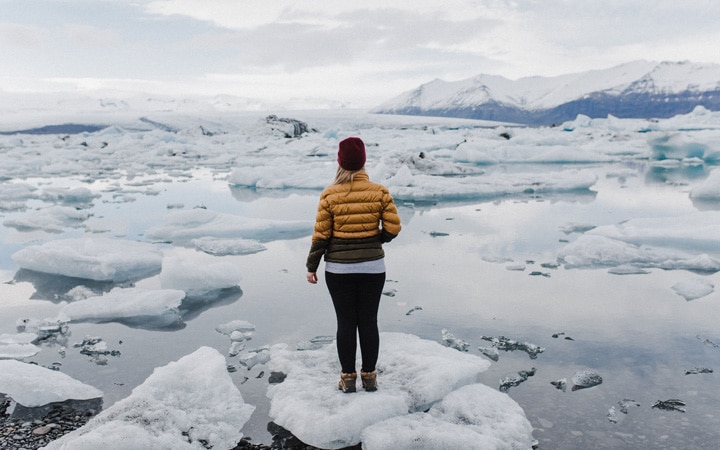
(343,176)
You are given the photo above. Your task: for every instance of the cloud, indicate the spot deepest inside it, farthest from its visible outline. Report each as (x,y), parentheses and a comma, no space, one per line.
(20,35)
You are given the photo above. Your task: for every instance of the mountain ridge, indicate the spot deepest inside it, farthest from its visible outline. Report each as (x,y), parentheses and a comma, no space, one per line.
(639,89)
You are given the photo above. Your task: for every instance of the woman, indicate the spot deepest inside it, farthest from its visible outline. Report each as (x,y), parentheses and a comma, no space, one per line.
(354,218)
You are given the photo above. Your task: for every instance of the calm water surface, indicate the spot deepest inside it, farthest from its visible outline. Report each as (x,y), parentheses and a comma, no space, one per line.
(452,261)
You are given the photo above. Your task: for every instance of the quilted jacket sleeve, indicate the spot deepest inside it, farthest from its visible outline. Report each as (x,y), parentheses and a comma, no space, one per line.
(390,219)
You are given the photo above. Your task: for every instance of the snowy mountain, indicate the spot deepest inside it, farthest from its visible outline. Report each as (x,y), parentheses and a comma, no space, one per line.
(639,89)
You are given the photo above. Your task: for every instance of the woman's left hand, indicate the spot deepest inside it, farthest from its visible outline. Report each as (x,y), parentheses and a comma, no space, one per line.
(312,277)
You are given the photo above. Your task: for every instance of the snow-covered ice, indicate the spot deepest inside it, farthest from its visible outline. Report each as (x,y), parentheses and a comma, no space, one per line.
(99,259)
(188,404)
(473,416)
(413,375)
(31,385)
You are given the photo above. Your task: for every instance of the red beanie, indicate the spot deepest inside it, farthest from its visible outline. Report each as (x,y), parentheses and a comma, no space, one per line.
(351,154)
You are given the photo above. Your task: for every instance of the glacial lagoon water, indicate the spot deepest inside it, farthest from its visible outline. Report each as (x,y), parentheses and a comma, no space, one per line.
(474,268)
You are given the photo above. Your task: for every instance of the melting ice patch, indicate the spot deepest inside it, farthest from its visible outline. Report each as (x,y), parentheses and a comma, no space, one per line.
(31,385)
(185,226)
(413,375)
(191,403)
(98,259)
(694,289)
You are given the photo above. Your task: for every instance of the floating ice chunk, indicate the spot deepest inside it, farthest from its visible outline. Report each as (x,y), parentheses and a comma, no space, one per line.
(191,403)
(708,189)
(672,404)
(46,330)
(695,232)
(18,346)
(515,379)
(576,228)
(53,219)
(423,187)
(451,341)
(694,289)
(592,251)
(508,345)
(31,385)
(255,357)
(474,416)
(585,379)
(235,325)
(185,226)
(560,384)
(69,196)
(315,343)
(160,307)
(223,247)
(698,370)
(97,259)
(197,279)
(413,374)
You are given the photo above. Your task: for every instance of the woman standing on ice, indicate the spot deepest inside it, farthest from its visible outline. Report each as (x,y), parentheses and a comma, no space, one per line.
(354,218)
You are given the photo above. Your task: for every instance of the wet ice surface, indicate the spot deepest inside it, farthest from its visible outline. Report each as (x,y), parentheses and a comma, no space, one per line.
(632,248)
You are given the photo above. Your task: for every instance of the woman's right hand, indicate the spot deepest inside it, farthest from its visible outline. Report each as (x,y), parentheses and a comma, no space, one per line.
(312,277)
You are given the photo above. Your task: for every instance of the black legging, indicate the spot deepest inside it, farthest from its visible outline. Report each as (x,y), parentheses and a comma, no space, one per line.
(356,297)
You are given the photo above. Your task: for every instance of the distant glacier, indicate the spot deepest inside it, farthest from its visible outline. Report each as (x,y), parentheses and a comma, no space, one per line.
(639,89)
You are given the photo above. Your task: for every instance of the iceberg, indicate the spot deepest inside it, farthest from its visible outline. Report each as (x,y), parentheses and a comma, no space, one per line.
(413,375)
(98,259)
(191,403)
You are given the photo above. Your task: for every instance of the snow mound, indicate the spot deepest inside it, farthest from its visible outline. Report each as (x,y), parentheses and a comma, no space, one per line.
(414,374)
(188,404)
(98,259)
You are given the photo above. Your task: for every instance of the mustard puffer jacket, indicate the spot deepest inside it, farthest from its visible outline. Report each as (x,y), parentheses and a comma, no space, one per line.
(353,221)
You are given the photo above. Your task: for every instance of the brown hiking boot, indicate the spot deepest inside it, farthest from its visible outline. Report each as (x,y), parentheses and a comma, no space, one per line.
(369,380)
(347,382)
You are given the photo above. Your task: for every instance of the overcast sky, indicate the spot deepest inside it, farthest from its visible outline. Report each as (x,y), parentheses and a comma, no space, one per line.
(359,53)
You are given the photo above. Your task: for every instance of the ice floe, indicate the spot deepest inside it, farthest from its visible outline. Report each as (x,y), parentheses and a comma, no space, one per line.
(191,403)
(198,278)
(99,259)
(414,375)
(694,289)
(18,346)
(129,305)
(31,385)
(185,226)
